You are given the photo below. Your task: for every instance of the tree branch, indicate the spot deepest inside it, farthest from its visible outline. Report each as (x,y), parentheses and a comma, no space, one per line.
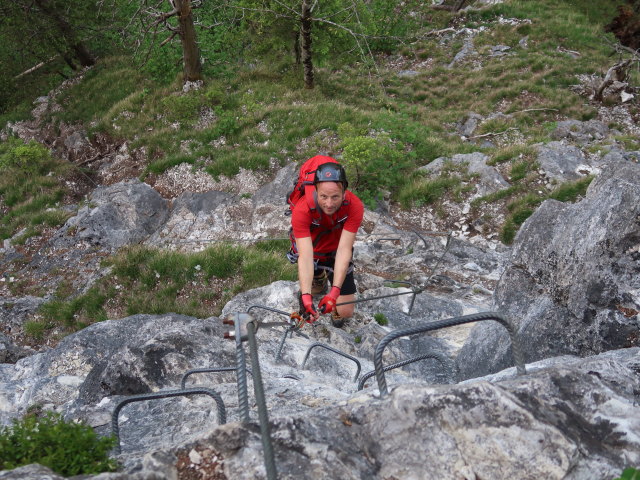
(492,134)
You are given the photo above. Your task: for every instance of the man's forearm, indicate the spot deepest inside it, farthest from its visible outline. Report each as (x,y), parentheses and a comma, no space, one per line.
(305,274)
(340,266)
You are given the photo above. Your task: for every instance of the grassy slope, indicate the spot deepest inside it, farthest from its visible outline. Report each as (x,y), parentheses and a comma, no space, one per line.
(372,118)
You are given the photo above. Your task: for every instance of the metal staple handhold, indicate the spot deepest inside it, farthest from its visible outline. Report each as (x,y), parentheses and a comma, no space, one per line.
(444,361)
(334,350)
(222,414)
(450,322)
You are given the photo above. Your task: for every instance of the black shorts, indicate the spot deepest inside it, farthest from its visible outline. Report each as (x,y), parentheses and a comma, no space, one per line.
(349,284)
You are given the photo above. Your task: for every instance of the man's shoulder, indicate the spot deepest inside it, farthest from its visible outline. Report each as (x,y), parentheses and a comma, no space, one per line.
(353,199)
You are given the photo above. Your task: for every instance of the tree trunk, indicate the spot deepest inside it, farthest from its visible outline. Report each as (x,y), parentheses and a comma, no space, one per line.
(296,46)
(305,31)
(190,51)
(80,52)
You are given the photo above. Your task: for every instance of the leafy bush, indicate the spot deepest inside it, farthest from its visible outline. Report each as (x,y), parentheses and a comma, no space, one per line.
(30,157)
(68,448)
(31,187)
(374,163)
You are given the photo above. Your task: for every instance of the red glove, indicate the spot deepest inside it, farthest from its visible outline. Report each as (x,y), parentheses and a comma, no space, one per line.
(328,302)
(307,303)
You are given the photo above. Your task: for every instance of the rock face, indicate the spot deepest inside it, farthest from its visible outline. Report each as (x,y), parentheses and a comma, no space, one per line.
(578,420)
(124,214)
(573,283)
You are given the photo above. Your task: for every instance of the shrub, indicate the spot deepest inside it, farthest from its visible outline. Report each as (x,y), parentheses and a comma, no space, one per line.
(373,163)
(629,474)
(29,157)
(68,448)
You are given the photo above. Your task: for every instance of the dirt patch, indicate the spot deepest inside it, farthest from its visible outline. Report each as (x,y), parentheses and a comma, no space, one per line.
(200,464)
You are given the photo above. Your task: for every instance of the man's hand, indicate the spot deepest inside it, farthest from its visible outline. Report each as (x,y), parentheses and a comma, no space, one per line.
(307,304)
(328,302)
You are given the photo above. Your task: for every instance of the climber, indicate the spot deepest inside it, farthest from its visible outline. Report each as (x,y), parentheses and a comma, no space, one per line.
(324,227)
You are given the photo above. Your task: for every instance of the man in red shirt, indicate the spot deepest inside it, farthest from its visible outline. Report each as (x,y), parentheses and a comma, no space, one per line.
(324,241)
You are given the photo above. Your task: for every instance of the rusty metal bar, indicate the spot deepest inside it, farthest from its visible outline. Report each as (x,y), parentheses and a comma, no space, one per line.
(222,414)
(444,361)
(450,322)
(334,350)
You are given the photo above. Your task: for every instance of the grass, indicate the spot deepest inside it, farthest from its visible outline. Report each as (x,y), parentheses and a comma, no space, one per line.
(31,189)
(147,280)
(523,207)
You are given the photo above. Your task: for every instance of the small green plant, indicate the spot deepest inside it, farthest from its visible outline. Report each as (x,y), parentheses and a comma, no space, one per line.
(357,339)
(36,329)
(381,319)
(629,474)
(68,448)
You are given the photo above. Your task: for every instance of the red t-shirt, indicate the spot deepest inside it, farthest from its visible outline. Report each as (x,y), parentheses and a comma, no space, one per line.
(302,218)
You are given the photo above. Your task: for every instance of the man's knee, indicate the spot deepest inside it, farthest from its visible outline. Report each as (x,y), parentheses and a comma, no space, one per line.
(346,311)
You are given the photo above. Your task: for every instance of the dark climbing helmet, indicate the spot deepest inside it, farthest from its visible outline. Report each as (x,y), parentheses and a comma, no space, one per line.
(331,172)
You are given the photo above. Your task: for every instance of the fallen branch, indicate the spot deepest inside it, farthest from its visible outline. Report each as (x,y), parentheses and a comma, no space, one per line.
(89,160)
(33,69)
(617,72)
(492,134)
(535,110)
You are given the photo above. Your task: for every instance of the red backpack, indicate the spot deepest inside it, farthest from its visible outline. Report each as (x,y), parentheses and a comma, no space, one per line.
(304,187)
(304,190)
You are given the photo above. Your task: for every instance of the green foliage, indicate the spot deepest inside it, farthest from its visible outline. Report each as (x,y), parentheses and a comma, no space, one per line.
(74,314)
(629,474)
(357,339)
(453,179)
(31,186)
(68,448)
(381,319)
(373,163)
(36,329)
(108,85)
(30,157)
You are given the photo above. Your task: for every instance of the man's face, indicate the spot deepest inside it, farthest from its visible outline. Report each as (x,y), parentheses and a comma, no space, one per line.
(330,196)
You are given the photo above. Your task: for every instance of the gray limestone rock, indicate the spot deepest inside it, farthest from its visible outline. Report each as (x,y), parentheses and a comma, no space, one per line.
(490,179)
(581,132)
(561,162)
(10,352)
(122,214)
(576,420)
(573,283)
